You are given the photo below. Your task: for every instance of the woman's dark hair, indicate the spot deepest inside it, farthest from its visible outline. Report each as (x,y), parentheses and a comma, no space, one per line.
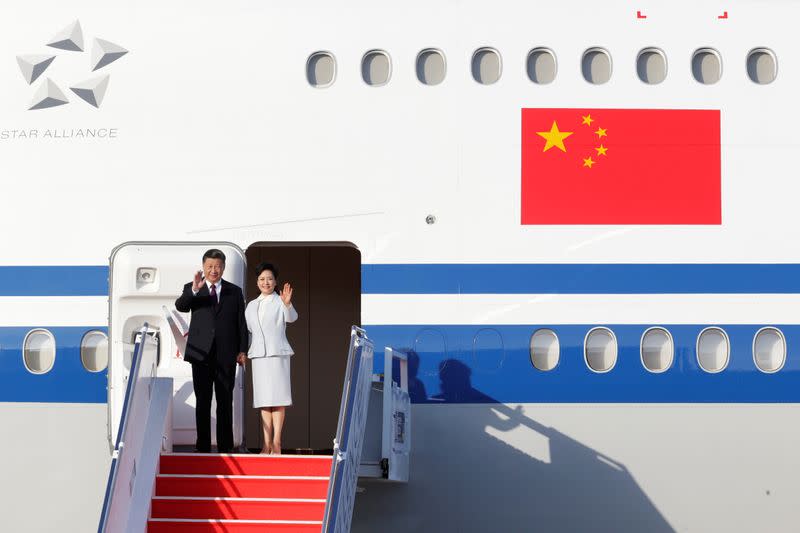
(261,267)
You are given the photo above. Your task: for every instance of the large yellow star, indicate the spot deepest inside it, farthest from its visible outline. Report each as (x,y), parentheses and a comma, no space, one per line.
(601,150)
(554,138)
(588,162)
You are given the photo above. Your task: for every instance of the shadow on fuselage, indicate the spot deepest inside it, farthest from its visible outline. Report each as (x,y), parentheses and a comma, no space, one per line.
(469,473)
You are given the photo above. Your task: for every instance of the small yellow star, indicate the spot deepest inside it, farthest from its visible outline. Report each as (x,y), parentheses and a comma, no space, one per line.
(601,150)
(588,162)
(587,120)
(601,132)
(554,138)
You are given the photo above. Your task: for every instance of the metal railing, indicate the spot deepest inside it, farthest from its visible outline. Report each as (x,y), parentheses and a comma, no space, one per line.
(349,434)
(139,369)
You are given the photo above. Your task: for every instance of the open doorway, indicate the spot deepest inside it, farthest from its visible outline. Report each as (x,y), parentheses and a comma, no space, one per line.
(326,277)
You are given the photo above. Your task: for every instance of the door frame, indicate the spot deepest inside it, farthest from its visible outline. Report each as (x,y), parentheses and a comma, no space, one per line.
(112,366)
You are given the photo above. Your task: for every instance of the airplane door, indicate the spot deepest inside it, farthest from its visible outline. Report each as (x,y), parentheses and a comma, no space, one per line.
(145,279)
(326,277)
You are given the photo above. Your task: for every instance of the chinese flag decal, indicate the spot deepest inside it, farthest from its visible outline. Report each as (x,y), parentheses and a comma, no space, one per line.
(621,166)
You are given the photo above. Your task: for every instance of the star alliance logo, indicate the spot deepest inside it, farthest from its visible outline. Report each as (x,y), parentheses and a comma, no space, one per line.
(91,90)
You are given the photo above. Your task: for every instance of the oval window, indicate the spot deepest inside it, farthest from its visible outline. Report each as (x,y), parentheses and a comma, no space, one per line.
(376,68)
(713,350)
(657,349)
(39,351)
(486,66)
(321,69)
(94,351)
(651,66)
(431,67)
(596,66)
(545,349)
(431,347)
(706,66)
(762,66)
(769,350)
(488,351)
(600,349)
(541,66)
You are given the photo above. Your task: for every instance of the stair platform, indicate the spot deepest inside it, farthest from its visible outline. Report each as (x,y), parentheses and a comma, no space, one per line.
(245,464)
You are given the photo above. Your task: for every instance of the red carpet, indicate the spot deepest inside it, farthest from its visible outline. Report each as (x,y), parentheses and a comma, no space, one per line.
(239,493)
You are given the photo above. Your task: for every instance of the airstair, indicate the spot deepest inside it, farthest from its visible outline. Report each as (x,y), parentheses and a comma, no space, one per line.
(150,488)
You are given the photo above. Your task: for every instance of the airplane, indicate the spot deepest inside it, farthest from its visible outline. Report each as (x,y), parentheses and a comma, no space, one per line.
(575,222)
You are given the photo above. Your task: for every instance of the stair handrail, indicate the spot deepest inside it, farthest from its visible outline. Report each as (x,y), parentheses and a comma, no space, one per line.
(349,434)
(119,444)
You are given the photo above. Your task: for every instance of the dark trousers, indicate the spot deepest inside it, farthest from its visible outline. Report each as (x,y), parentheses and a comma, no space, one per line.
(216,378)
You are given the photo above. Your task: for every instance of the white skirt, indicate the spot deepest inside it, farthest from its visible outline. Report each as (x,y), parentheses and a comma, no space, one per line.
(272,383)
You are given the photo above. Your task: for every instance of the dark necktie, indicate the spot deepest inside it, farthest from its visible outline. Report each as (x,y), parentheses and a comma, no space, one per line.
(214,294)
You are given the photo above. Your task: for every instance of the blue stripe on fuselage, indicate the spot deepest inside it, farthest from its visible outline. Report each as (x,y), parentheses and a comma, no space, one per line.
(67,382)
(477,279)
(580,278)
(54,280)
(482,364)
(490,364)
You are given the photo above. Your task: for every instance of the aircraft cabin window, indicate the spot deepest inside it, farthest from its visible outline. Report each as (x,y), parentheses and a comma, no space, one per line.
(769,350)
(657,350)
(39,351)
(762,66)
(651,66)
(486,66)
(94,351)
(707,66)
(321,69)
(431,67)
(713,350)
(376,68)
(596,66)
(541,66)
(600,350)
(545,349)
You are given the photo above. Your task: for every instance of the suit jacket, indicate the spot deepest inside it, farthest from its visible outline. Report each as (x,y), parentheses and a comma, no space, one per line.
(222,326)
(269,334)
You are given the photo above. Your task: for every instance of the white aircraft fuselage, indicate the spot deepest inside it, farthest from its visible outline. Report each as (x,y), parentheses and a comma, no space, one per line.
(258,122)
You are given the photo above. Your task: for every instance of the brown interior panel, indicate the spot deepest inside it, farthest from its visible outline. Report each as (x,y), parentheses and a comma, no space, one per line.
(326,278)
(335,277)
(292,265)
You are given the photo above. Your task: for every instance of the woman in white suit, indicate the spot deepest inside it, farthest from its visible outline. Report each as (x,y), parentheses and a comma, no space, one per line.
(270,353)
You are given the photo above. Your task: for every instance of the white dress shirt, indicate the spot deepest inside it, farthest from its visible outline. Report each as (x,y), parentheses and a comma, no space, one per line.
(218,285)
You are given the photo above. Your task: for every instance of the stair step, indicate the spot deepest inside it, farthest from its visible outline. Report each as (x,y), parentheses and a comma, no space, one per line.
(245,464)
(238,508)
(166,525)
(306,487)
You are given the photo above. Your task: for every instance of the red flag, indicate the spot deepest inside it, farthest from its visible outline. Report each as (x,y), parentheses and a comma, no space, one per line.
(621,166)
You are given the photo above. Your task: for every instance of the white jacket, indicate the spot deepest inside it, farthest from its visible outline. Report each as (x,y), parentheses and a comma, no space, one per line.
(268,334)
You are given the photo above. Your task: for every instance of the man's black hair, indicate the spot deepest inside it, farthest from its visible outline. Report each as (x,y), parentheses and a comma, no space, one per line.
(214,254)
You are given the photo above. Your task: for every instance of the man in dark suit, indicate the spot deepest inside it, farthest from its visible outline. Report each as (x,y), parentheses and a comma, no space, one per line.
(217,341)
